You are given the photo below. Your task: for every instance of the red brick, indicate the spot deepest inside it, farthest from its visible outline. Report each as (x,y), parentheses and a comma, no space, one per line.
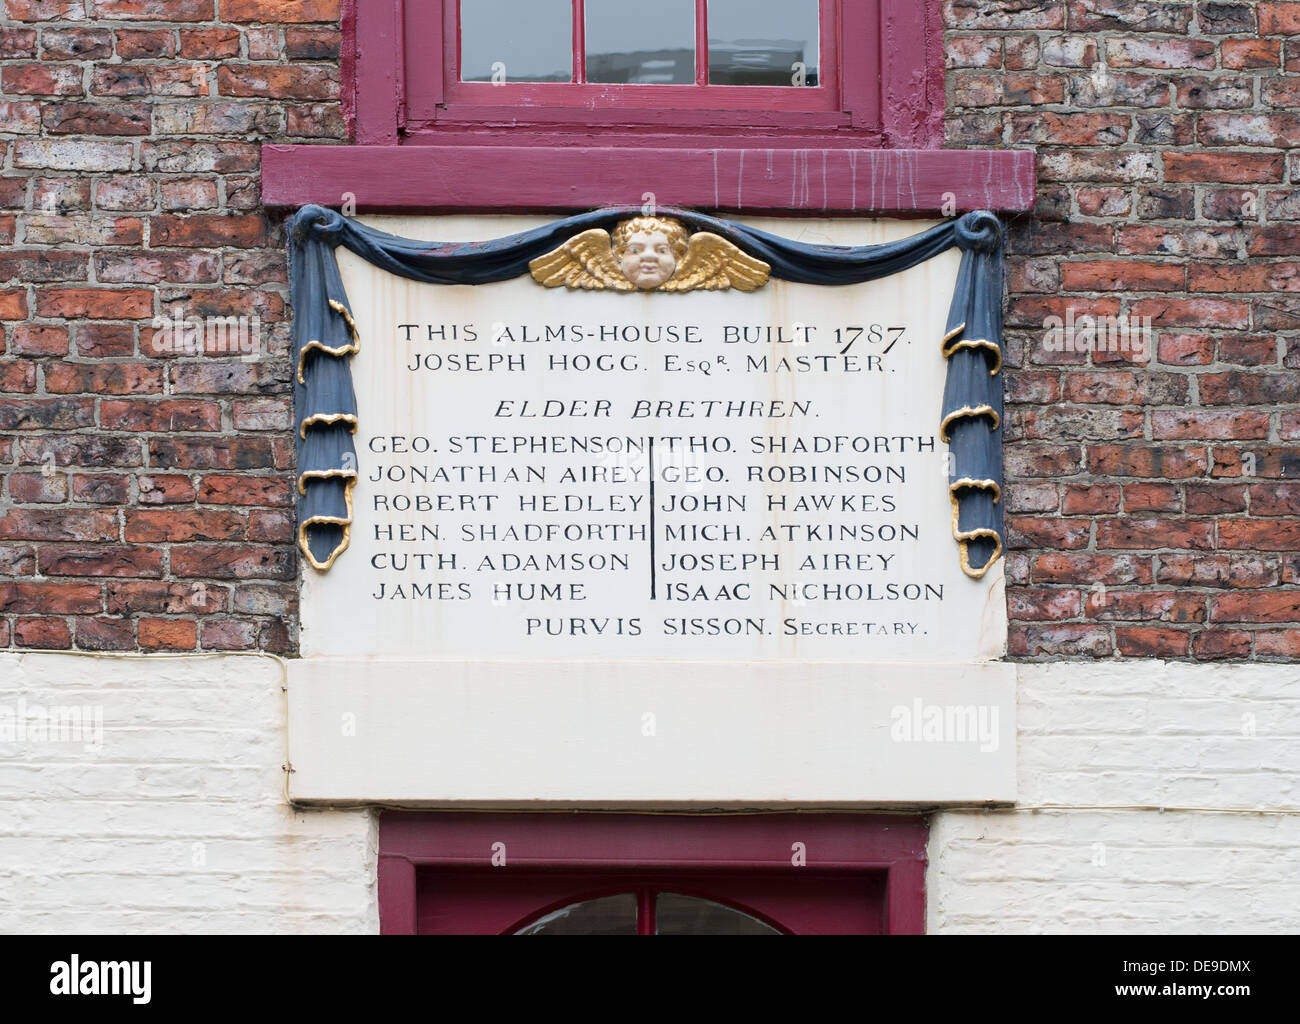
(165,416)
(1150,461)
(46,414)
(95,303)
(1064,640)
(101,488)
(1135,52)
(1239,168)
(1152,498)
(1186,349)
(1122,275)
(43,634)
(1254,606)
(212,561)
(38,488)
(97,119)
(244,490)
(1186,424)
(168,634)
(213,43)
(17,378)
(1144,606)
(1221,571)
(13,304)
(1279,19)
(153,10)
(297,82)
(1030,604)
(228,636)
(41,80)
(1153,534)
(103,378)
(269,526)
(1086,569)
(1217,644)
(104,341)
(1280,643)
(101,560)
(105,634)
(1251,53)
(1152,642)
(1259,535)
(284,11)
(209,231)
(158,526)
(196,598)
(135,43)
(63,524)
(1035,532)
(1215,499)
(1275,499)
(211,453)
(1090,499)
(157,489)
(40,597)
(38,340)
(1193,312)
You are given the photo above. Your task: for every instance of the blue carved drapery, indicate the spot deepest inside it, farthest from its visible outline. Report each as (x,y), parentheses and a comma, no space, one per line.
(325,337)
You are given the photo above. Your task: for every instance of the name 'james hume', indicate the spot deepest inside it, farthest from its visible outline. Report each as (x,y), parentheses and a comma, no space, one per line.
(555,408)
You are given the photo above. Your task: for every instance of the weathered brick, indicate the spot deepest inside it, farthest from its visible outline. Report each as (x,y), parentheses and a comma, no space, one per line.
(167,634)
(165,416)
(101,560)
(104,634)
(289,11)
(156,526)
(43,634)
(95,303)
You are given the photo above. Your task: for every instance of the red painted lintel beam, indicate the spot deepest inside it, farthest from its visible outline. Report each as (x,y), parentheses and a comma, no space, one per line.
(735,179)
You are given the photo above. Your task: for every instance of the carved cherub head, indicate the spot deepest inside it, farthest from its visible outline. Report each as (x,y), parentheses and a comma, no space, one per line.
(648,250)
(650,254)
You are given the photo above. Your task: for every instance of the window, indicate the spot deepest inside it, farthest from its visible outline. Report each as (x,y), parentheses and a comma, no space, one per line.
(510,66)
(628,874)
(609,60)
(745,106)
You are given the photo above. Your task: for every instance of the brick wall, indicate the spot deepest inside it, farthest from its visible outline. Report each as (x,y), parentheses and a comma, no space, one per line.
(1152,496)
(147,497)
(1152,501)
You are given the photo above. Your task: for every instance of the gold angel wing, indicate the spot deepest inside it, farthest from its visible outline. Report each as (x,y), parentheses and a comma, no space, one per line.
(584,261)
(714,264)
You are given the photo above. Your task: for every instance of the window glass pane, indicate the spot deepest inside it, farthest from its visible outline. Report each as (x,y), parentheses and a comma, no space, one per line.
(763,42)
(612,915)
(639,44)
(686,915)
(516,41)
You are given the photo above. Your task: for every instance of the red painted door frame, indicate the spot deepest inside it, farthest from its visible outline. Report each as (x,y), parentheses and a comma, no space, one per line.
(805,873)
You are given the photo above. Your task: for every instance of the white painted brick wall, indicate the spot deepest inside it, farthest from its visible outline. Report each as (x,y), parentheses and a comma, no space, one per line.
(1135,733)
(179,823)
(193,747)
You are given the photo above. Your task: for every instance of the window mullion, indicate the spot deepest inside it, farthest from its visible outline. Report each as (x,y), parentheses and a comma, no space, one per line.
(580,41)
(701,42)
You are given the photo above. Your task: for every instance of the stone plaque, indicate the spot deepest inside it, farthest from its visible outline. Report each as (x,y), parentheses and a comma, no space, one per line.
(711,475)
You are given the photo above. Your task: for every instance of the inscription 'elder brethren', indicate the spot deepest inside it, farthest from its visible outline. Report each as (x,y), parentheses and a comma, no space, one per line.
(559,474)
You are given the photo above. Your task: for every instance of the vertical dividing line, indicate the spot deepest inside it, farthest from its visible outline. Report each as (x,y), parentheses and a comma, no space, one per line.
(580,41)
(701,42)
(645,913)
(652,518)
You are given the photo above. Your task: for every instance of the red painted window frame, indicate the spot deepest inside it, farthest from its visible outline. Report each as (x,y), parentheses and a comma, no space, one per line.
(880,154)
(435,873)
(436,96)
(880,49)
